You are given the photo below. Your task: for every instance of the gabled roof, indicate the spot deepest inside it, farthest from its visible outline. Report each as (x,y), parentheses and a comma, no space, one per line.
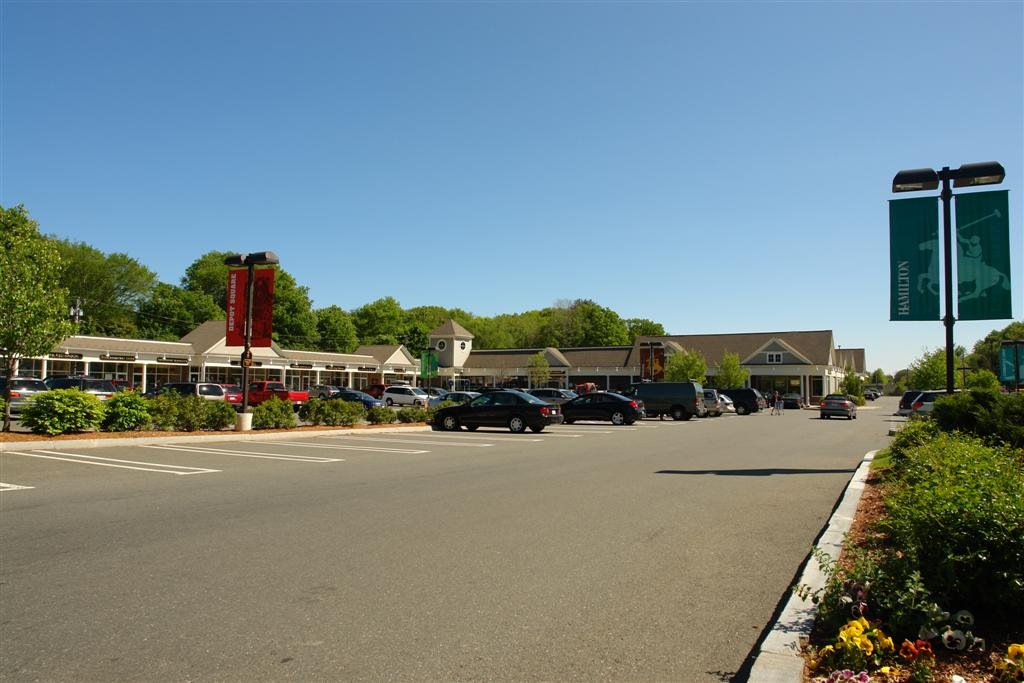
(388,354)
(206,336)
(854,358)
(777,343)
(814,345)
(339,358)
(452,329)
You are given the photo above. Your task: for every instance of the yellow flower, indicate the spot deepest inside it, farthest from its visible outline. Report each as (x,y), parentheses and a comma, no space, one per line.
(865,646)
(1015,650)
(854,628)
(864,623)
(886,644)
(826,651)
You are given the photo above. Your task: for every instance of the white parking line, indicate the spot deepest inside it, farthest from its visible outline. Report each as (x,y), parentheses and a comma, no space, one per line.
(110,462)
(487,436)
(428,443)
(378,449)
(244,454)
(13,487)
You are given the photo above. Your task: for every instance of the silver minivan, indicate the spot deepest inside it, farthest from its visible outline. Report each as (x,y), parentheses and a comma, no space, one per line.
(22,390)
(405,396)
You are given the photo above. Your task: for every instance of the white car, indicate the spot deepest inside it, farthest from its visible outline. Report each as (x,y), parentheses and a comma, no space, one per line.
(405,396)
(727,404)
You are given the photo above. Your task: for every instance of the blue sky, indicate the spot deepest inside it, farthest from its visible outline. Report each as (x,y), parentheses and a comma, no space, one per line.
(716,167)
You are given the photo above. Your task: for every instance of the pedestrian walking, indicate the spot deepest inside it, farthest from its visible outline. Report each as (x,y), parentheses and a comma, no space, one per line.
(776,404)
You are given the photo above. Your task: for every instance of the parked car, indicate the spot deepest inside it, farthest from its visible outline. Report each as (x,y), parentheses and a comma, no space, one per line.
(585,388)
(871,394)
(355,396)
(102,389)
(22,390)
(206,390)
(122,385)
(746,401)
(713,402)
(233,395)
(680,400)
(513,409)
(727,405)
(323,390)
(263,390)
(792,400)
(435,391)
(925,401)
(376,390)
(454,397)
(405,396)
(603,405)
(839,405)
(907,402)
(556,396)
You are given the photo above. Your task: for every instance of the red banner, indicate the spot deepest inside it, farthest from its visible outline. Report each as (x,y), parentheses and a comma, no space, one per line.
(262,307)
(237,280)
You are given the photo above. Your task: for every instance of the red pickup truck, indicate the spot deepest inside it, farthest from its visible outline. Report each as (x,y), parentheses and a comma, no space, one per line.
(261,391)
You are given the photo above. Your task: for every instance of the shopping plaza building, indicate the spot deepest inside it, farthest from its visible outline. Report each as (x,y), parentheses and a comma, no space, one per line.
(806,362)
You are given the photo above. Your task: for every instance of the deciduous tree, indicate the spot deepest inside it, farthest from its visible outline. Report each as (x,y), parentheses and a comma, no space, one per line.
(379,322)
(171,312)
(684,366)
(337,333)
(33,304)
(729,374)
(539,369)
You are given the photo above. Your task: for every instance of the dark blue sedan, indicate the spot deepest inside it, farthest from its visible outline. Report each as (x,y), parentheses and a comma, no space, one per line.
(354,396)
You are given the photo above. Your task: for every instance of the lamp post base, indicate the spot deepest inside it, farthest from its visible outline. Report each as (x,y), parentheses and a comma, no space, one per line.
(243,422)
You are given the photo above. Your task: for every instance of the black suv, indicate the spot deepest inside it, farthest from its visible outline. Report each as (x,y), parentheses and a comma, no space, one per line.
(100,388)
(746,401)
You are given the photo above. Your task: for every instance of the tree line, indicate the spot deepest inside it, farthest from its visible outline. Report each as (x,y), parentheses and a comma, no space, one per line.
(118,296)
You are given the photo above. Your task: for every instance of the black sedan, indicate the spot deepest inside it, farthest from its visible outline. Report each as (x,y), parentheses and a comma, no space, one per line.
(513,409)
(603,405)
(792,400)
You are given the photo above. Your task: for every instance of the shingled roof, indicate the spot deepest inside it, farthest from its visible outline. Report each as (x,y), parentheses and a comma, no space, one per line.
(815,345)
(514,358)
(852,358)
(452,329)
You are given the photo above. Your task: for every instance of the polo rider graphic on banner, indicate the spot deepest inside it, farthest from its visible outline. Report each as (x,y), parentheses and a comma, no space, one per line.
(983,256)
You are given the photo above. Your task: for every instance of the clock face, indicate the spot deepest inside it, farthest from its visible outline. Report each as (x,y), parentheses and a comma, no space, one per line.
(442,345)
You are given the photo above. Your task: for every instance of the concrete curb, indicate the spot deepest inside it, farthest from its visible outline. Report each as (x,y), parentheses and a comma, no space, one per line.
(70,444)
(779,660)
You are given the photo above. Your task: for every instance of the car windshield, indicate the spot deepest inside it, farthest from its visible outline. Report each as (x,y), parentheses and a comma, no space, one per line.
(530,398)
(361,396)
(25,384)
(98,385)
(233,388)
(211,390)
(418,391)
(835,397)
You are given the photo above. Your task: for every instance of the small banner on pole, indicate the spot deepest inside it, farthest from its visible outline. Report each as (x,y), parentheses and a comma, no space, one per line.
(914,280)
(1011,361)
(237,281)
(262,306)
(983,256)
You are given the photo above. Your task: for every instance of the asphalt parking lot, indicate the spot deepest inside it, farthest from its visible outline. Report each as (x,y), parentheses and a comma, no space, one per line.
(654,551)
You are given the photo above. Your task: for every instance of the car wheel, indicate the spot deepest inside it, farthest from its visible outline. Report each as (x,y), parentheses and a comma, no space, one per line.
(618,418)
(741,409)
(516,424)
(389,402)
(538,429)
(450,423)
(849,417)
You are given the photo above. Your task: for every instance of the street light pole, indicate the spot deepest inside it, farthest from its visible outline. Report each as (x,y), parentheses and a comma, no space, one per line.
(250,261)
(968,175)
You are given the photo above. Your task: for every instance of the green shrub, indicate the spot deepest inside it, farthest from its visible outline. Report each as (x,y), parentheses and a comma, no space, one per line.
(191,414)
(958,511)
(315,411)
(346,413)
(62,411)
(163,410)
(988,414)
(273,413)
(219,415)
(433,409)
(382,415)
(126,411)
(413,414)
(914,434)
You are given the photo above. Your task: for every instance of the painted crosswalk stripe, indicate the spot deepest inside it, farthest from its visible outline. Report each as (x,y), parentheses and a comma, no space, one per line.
(13,487)
(244,454)
(82,459)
